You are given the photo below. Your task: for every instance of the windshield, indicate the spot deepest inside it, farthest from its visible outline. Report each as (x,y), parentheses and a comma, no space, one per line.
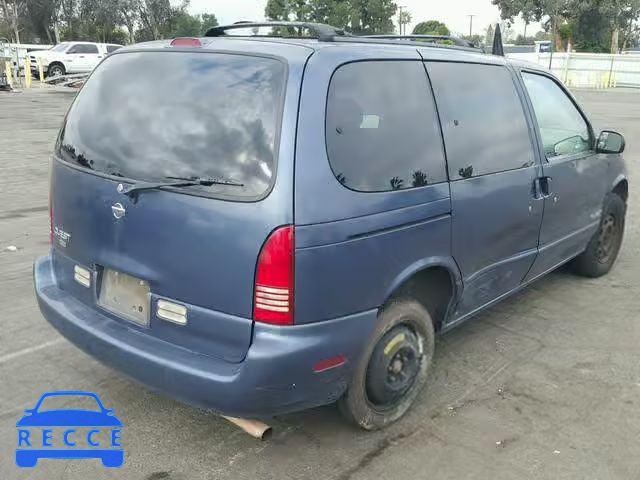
(61,47)
(149,116)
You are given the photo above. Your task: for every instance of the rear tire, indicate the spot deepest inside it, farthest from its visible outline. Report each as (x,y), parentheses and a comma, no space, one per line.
(603,248)
(394,367)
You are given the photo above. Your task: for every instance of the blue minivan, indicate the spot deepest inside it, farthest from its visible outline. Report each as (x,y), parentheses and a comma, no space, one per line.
(263,224)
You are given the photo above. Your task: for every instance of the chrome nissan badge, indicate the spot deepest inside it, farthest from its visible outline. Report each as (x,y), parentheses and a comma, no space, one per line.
(118,210)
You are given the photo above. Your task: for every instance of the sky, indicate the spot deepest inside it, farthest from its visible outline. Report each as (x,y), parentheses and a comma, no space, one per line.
(454,13)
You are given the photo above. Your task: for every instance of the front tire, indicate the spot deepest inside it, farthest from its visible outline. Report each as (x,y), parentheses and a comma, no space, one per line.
(394,367)
(56,70)
(603,248)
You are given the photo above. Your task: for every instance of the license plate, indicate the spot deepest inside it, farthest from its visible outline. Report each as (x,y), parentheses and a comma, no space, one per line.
(126,296)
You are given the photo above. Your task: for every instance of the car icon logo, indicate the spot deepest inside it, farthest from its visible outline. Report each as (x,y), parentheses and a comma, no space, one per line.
(118,210)
(69,433)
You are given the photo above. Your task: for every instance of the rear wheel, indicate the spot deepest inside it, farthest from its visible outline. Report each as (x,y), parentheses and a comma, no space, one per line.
(394,367)
(603,248)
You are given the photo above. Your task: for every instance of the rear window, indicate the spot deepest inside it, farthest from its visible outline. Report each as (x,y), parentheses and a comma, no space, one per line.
(148,116)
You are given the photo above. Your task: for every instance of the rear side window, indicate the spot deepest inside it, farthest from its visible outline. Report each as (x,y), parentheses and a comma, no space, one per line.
(483,121)
(382,129)
(113,48)
(149,116)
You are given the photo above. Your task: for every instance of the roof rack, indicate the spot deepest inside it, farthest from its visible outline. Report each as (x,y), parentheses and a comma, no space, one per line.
(324,33)
(401,41)
(327,33)
(427,38)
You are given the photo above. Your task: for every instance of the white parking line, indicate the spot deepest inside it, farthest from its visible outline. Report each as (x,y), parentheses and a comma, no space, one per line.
(27,351)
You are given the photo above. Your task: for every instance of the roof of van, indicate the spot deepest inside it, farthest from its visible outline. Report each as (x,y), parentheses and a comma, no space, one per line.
(427,51)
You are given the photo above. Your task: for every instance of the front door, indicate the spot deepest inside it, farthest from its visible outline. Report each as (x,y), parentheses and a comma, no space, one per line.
(492,169)
(572,185)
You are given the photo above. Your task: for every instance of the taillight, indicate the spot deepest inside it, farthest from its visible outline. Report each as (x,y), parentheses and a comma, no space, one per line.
(273,297)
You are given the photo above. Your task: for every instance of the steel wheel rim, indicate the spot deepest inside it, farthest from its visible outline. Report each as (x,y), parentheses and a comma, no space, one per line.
(398,375)
(606,238)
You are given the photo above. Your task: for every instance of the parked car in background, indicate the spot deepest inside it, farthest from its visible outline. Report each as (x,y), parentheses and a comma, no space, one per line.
(72,57)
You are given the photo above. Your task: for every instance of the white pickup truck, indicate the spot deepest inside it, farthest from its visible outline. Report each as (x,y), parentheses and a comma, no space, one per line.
(71,57)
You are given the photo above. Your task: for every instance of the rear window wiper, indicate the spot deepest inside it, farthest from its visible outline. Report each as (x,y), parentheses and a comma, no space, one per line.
(178,183)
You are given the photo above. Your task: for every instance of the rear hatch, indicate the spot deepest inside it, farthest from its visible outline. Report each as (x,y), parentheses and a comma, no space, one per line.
(153,116)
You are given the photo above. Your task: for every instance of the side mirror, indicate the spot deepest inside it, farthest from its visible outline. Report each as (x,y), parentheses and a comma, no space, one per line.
(610,142)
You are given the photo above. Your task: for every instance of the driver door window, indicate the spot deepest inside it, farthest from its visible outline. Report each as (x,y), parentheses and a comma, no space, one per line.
(563,129)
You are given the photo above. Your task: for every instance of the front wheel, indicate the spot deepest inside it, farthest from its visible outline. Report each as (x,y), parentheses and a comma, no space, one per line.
(603,248)
(56,70)
(393,369)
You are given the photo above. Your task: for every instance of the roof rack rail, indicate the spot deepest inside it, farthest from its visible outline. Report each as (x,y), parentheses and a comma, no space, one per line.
(324,33)
(327,33)
(459,42)
(401,41)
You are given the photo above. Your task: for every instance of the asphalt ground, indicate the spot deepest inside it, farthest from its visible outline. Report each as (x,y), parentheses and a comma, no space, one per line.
(545,385)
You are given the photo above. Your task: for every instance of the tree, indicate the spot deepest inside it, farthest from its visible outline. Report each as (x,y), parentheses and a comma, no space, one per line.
(476,39)
(431,27)
(490,32)
(357,16)
(182,24)
(12,11)
(558,11)
(404,18)
(506,31)
(153,15)
(542,35)
(208,20)
(278,10)
(621,15)
(43,16)
(129,11)
(586,21)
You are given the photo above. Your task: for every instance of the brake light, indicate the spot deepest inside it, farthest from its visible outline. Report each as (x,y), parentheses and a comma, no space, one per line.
(273,297)
(186,42)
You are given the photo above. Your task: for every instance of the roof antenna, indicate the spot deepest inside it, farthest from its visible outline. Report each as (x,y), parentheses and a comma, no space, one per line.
(498,48)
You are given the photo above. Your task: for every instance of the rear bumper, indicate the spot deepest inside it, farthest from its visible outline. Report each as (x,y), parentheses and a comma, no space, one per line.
(275,377)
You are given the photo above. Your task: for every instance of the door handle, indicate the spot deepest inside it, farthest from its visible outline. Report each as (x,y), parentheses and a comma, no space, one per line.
(81,56)
(542,188)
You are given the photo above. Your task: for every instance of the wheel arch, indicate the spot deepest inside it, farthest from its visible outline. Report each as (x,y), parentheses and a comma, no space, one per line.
(621,188)
(57,62)
(436,283)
